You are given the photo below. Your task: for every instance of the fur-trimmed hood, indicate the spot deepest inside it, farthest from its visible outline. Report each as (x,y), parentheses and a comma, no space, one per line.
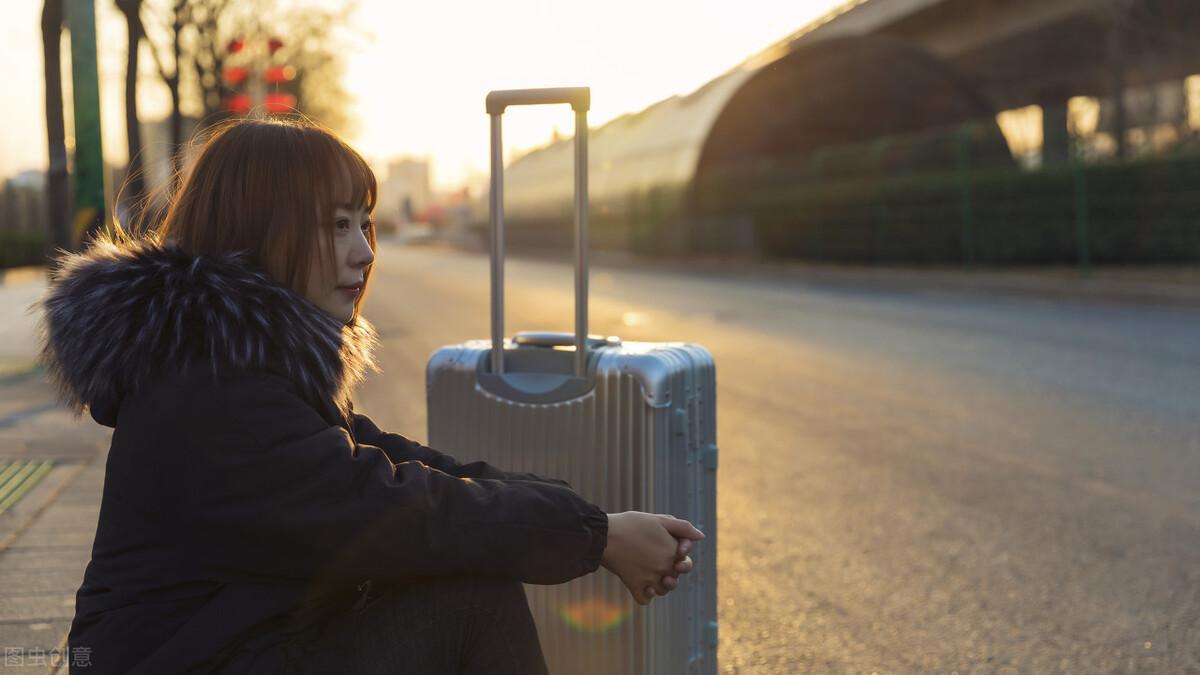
(127,310)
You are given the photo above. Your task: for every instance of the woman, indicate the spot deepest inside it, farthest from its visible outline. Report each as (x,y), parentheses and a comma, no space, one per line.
(251,521)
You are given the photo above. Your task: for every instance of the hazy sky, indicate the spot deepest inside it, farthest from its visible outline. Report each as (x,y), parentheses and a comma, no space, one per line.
(419,78)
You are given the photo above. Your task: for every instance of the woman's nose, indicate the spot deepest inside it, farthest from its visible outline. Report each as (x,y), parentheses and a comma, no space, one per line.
(362,255)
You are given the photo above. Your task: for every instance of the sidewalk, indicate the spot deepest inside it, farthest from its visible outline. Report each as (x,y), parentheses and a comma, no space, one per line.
(48,513)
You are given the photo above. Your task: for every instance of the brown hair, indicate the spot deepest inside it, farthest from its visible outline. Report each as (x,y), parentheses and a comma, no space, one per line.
(269,187)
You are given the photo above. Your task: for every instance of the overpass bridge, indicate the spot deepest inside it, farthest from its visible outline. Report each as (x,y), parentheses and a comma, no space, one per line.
(1026,52)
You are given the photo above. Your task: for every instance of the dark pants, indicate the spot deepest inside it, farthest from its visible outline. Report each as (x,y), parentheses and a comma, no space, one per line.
(460,626)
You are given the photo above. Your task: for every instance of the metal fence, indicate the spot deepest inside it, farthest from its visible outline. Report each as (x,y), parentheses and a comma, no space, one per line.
(954,196)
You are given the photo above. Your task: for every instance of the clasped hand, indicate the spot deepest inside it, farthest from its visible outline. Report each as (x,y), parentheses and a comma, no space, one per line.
(648,552)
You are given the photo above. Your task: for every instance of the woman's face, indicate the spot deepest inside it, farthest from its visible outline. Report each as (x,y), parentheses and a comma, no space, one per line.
(352,254)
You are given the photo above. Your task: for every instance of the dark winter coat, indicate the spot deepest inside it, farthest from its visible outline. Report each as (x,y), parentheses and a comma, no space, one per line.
(243,497)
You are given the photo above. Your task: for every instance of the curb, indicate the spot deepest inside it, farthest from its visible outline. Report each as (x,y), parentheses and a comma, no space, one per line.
(1100,286)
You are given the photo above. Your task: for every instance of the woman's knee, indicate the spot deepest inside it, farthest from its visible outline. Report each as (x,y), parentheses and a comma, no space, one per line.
(493,593)
(454,594)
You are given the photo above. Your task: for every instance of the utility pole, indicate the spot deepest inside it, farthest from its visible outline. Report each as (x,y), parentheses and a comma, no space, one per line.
(89,156)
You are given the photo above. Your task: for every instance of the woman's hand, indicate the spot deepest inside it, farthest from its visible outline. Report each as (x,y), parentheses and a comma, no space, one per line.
(683,565)
(643,550)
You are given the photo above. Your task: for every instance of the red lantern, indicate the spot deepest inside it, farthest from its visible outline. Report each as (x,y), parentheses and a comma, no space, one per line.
(274,44)
(235,45)
(279,73)
(234,75)
(238,103)
(279,103)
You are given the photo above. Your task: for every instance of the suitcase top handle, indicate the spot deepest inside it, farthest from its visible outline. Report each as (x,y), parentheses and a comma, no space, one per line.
(580,100)
(534,338)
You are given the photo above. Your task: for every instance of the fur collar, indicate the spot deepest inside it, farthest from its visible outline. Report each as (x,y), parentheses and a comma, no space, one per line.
(127,309)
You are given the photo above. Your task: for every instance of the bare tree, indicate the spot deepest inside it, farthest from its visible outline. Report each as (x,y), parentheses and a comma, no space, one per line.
(135,181)
(193,38)
(57,183)
(313,49)
(207,51)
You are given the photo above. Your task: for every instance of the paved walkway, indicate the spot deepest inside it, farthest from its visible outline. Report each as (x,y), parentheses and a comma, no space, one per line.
(46,533)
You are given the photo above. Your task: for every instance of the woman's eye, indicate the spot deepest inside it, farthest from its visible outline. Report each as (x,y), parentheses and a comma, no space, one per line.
(344,224)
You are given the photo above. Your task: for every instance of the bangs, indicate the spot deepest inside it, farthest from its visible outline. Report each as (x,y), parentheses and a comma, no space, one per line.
(342,175)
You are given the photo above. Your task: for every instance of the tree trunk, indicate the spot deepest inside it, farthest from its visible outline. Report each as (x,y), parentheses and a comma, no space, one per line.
(173,85)
(135,179)
(58,193)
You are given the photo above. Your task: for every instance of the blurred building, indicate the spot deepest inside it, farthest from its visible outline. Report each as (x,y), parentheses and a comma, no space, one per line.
(24,209)
(23,206)
(405,192)
(456,220)
(156,149)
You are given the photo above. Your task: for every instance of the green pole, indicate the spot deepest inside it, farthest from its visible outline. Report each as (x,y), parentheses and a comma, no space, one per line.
(89,155)
(964,179)
(879,151)
(1082,244)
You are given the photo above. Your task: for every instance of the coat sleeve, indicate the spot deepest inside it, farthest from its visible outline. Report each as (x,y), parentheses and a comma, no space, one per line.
(401,449)
(272,488)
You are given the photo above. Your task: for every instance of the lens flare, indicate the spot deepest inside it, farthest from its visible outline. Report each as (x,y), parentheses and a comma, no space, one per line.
(593,615)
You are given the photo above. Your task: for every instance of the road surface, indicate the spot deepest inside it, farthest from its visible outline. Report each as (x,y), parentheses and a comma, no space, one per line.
(909,481)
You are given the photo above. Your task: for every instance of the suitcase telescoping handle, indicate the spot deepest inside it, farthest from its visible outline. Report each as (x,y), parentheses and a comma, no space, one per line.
(580,100)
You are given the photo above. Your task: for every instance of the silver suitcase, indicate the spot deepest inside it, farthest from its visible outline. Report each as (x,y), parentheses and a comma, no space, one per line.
(630,425)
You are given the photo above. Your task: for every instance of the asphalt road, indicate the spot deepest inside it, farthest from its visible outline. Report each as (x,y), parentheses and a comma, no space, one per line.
(910,481)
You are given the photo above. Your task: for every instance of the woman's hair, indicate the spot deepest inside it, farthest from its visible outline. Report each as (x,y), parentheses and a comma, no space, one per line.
(269,187)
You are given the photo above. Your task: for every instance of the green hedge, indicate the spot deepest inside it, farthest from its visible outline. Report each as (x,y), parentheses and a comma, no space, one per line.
(1115,212)
(1134,211)
(18,249)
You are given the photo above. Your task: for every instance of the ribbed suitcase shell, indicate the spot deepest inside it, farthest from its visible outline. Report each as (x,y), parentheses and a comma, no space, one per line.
(643,439)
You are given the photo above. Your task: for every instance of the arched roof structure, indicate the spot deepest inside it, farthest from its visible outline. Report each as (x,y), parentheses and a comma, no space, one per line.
(782,103)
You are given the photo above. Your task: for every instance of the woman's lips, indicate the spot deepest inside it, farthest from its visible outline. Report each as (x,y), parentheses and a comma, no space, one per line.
(351,291)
